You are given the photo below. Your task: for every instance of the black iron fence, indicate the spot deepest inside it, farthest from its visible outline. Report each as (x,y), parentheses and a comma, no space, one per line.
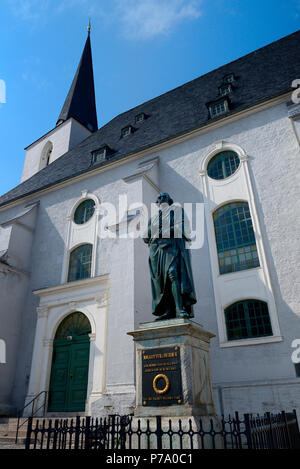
(125,432)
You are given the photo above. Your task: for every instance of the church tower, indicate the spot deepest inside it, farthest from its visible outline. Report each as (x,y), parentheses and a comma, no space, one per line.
(77,119)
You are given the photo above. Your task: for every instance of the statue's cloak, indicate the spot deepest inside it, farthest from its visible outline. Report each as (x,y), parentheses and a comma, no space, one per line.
(169,252)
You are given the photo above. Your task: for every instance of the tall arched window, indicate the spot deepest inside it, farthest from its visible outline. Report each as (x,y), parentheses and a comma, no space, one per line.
(248,319)
(80,263)
(235,238)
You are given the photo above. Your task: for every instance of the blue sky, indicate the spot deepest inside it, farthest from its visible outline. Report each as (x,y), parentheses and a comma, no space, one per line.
(141,49)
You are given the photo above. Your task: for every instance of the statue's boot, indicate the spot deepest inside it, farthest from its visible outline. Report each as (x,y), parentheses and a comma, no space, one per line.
(168,315)
(176,291)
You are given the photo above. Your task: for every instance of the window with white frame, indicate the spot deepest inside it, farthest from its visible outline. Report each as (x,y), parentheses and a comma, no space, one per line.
(80,263)
(225,89)
(248,319)
(219,108)
(235,238)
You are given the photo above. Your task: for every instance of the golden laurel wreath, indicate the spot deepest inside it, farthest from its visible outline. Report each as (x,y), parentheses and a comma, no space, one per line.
(165,389)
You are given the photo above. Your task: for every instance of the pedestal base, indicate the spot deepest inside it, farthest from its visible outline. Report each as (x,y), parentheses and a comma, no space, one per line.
(168,352)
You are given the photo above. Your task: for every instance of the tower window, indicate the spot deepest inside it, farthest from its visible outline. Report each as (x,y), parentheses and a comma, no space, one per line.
(46,155)
(84,212)
(223,165)
(235,238)
(248,319)
(80,263)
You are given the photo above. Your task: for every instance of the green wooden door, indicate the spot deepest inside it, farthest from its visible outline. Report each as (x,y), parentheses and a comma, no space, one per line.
(70,366)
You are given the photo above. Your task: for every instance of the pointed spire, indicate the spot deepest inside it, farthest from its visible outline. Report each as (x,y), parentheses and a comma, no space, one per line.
(80,102)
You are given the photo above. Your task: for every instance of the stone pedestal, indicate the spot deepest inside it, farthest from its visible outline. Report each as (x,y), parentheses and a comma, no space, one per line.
(192,342)
(173,378)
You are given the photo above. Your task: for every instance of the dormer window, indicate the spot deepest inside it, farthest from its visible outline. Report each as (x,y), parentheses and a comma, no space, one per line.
(99,155)
(225,89)
(127,131)
(140,118)
(229,78)
(218,108)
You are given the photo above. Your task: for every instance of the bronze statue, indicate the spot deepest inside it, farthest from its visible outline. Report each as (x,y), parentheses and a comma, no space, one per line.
(172,285)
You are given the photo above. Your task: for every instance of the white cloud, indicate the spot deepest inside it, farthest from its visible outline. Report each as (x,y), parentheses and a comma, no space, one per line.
(138,19)
(145,19)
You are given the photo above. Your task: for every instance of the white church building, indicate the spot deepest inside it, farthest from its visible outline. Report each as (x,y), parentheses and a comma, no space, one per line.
(227,142)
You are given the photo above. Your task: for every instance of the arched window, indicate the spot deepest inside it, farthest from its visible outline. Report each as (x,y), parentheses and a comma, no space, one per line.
(235,238)
(84,211)
(223,165)
(248,319)
(46,155)
(76,324)
(80,263)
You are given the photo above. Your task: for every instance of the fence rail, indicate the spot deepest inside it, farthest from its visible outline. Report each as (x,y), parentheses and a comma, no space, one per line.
(125,432)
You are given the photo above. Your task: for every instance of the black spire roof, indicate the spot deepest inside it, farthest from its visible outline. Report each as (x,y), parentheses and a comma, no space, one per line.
(80,102)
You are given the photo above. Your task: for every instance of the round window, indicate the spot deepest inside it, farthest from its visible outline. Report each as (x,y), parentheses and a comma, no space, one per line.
(223,165)
(84,211)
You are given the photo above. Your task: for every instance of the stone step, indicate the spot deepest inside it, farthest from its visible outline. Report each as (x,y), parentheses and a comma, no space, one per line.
(3,427)
(12,439)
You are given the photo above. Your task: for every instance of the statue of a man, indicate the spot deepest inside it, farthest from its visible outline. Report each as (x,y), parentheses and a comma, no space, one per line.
(172,285)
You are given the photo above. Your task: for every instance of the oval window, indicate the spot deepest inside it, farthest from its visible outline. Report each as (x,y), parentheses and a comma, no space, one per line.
(223,165)
(84,211)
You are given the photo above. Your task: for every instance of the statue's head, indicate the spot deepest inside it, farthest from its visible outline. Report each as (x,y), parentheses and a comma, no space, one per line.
(164,198)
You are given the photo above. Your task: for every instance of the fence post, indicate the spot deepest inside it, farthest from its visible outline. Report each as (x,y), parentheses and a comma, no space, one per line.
(238,429)
(123,432)
(158,432)
(271,437)
(296,445)
(87,432)
(113,431)
(77,432)
(55,434)
(28,433)
(283,415)
(248,431)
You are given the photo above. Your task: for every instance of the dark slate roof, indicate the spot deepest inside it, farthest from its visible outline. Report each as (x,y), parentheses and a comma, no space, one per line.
(261,75)
(80,102)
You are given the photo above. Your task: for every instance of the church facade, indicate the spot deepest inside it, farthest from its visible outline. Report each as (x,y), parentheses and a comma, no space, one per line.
(71,290)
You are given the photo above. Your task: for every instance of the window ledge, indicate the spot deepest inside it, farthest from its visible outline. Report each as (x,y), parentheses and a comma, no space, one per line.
(230,275)
(246,342)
